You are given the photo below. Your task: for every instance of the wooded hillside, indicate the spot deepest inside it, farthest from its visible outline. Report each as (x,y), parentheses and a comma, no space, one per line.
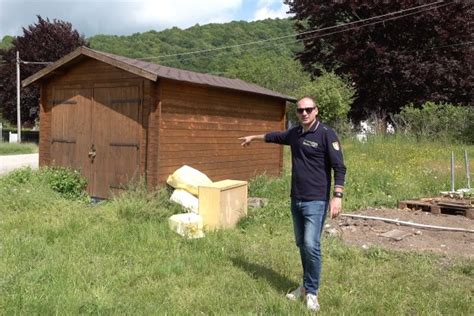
(207,37)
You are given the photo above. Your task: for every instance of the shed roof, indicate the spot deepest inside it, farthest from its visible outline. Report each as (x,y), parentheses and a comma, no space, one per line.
(151,71)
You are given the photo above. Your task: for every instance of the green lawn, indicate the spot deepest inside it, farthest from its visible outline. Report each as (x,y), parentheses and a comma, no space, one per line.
(65,257)
(17,149)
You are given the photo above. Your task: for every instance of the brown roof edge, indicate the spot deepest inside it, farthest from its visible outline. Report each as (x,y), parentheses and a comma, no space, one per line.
(116,61)
(90,53)
(48,69)
(153,71)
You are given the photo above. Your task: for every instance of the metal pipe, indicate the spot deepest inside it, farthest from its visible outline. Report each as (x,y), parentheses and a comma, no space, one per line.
(452,171)
(396,221)
(18,114)
(468,172)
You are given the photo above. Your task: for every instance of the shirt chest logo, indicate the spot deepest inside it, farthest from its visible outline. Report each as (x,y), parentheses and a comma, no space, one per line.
(310,143)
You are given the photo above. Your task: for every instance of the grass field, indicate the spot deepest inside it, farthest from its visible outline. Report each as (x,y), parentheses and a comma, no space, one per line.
(63,256)
(17,149)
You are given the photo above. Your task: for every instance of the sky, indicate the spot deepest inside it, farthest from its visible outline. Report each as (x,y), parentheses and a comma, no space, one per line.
(118,17)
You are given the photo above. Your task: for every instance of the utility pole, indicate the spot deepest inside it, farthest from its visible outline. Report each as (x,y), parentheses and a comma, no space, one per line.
(18,114)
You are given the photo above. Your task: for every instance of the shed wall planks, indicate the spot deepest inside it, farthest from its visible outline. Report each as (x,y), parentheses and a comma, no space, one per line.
(200,127)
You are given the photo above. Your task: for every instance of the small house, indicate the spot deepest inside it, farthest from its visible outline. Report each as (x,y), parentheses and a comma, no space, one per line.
(116,119)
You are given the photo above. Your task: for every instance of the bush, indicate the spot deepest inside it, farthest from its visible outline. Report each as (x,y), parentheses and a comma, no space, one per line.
(68,183)
(20,176)
(333,94)
(442,121)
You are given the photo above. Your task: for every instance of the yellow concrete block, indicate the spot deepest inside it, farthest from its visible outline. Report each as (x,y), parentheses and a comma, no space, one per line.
(223,203)
(188,225)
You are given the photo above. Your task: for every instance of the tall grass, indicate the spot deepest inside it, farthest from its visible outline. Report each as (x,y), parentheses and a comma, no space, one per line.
(62,256)
(17,149)
(385,170)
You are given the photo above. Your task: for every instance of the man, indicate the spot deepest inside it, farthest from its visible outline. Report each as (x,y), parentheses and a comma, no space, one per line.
(315,151)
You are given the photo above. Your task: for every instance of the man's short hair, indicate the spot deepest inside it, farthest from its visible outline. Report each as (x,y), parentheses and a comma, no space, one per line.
(310,99)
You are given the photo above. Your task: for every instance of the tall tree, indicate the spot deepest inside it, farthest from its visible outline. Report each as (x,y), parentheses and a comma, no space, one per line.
(44,41)
(424,56)
(279,73)
(6,42)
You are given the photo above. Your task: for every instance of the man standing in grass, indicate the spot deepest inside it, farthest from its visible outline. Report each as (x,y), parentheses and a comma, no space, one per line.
(315,151)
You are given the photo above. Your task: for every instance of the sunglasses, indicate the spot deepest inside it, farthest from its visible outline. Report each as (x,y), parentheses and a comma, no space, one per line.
(308,110)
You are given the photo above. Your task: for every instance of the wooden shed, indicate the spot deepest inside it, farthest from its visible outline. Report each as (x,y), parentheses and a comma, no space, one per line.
(116,119)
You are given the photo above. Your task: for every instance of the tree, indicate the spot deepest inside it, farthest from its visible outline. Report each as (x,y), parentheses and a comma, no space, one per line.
(426,56)
(6,42)
(279,73)
(333,95)
(44,41)
(285,75)
(197,38)
(275,72)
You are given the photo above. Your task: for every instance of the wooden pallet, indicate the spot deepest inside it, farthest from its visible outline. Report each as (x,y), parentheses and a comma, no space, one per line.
(441,206)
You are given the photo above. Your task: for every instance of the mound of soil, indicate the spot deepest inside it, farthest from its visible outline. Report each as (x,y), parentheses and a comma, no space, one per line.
(366,233)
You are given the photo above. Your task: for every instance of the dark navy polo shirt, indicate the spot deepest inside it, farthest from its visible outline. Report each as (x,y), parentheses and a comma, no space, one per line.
(313,154)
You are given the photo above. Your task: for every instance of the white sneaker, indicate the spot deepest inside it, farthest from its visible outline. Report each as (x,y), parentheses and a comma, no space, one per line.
(296,294)
(312,302)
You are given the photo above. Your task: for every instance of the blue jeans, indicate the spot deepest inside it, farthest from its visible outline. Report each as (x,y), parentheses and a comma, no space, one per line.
(308,223)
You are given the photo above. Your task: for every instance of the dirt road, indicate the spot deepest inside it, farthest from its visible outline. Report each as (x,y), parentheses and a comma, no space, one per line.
(368,233)
(12,162)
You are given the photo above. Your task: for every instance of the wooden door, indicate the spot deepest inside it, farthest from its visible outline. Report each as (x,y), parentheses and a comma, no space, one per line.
(71,129)
(115,137)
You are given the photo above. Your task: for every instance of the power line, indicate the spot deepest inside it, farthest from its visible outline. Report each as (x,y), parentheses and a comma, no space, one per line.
(422,50)
(31,62)
(431,6)
(326,34)
(426,7)
(36,62)
(374,23)
(292,35)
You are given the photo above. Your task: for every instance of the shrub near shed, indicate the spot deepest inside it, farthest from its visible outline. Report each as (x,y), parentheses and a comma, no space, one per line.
(68,183)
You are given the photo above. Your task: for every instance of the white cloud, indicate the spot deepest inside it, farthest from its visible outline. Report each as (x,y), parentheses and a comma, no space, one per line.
(183,13)
(117,17)
(124,17)
(270,9)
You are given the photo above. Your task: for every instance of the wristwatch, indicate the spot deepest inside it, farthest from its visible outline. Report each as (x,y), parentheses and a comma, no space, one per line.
(338,194)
